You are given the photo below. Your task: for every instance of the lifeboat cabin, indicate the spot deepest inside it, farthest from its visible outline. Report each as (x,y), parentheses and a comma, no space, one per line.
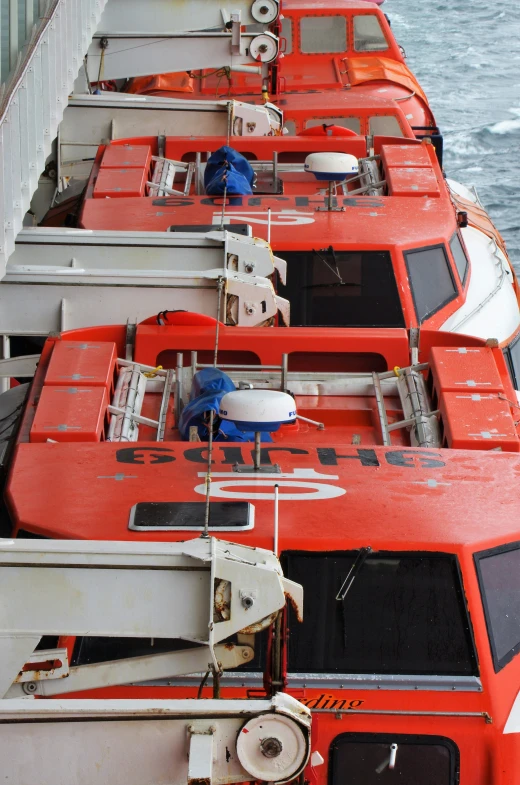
(346,46)
(399,245)
(384,474)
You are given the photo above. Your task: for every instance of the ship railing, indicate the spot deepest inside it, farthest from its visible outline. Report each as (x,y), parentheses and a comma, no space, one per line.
(408,384)
(278,377)
(370,183)
(33,102)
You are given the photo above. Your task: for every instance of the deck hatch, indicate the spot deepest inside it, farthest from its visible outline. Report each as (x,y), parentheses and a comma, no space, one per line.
(189,516)
(430,760)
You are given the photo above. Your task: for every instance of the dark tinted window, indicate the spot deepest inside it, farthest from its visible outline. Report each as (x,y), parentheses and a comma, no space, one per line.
(512,355)
(459,255)
(342,289)
(404,614)
(431,279)
(430,760)
(499,577)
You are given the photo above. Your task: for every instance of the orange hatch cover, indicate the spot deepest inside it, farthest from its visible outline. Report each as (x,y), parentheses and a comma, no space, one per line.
(382,69)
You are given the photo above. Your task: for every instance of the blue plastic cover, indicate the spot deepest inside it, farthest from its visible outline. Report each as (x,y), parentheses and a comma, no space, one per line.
(210,379)
(207,390)
(228,170)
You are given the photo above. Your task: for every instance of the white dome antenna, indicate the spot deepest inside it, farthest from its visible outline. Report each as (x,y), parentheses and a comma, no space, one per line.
(261,411)
(332,168)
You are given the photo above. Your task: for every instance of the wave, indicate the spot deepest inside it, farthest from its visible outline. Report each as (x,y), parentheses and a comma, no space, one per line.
(505,126)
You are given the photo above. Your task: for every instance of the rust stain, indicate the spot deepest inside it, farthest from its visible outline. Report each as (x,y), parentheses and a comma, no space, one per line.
(294,606)
(259,625)
(222,599)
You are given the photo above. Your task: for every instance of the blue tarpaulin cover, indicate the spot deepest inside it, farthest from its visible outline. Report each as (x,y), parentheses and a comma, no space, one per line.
(228,170)
(208,387)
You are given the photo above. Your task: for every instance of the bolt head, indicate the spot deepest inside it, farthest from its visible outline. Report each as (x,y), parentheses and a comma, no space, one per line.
(271,747)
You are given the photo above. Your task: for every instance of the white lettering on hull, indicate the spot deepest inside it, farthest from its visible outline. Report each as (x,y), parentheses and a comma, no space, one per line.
(301,481)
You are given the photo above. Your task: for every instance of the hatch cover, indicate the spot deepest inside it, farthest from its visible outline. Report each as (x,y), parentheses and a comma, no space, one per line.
(189,516)
(244,229)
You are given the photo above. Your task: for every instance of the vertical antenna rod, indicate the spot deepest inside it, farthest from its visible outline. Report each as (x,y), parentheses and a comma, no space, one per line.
(205,532)
(275,548)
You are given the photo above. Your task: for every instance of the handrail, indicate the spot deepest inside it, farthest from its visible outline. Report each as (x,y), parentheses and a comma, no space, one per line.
(33,102)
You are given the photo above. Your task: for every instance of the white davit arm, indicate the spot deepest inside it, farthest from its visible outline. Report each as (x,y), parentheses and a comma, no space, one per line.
(176,36)
(137,590)
(203,590)
(140,742)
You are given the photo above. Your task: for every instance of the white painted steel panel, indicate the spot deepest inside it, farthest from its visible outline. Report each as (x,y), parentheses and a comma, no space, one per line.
(491,308)
(129,742)
(33,107)
(156,16)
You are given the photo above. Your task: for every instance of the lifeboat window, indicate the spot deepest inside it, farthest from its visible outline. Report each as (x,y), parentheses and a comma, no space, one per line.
(385,125)
(512,355)
(431,279)
(287,34)
(353,123)
(341,289)
(459,255)
(290,127)
(323,34)
(168,358)
(337,362)
(499,578)
(430,760)
(404,614)
(368,34)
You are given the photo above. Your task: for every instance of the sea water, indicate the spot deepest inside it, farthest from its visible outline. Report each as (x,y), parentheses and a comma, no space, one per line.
(466,55)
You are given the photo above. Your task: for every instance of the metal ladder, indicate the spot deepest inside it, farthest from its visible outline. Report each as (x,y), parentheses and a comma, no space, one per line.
(163,177)
(33,104)
(419,417)
(133,382)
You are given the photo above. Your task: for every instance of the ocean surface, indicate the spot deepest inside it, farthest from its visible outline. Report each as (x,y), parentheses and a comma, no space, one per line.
(466,55)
